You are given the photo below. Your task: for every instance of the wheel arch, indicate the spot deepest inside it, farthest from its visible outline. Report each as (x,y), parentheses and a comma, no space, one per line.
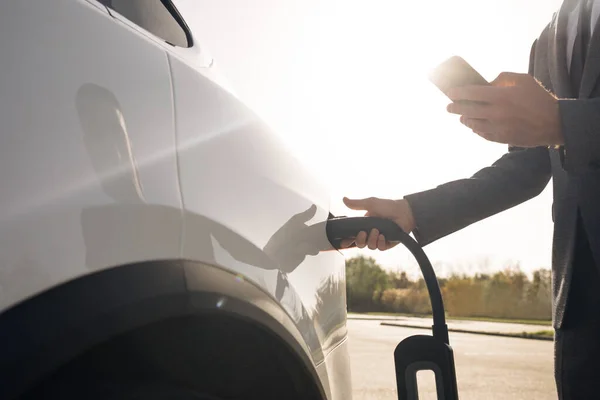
(42,333)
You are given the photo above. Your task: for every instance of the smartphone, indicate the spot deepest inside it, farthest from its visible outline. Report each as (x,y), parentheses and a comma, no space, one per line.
(455,72)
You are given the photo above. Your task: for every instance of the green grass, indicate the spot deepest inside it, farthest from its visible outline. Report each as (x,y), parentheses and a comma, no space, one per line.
(481,319)
(510,321)
(544,333)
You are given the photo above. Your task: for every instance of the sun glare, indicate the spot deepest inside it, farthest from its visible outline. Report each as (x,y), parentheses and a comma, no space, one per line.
(345,83)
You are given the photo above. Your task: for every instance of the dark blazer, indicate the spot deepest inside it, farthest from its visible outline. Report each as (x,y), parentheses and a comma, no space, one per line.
(522,174)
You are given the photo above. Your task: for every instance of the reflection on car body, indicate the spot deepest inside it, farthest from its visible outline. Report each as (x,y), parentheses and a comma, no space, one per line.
(142,200)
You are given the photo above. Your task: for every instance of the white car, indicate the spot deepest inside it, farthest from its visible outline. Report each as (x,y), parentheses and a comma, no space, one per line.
(154,239)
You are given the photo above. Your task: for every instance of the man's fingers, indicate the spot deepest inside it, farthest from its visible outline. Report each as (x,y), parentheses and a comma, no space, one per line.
(345,243)
(372,243)
(361,240)
(507,79)
(381,244)
(473,110)
(478,93)
(368,204)
(486,130)
(478,125)
(356,204)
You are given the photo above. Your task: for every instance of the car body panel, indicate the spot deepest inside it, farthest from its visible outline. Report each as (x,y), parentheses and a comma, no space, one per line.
(86,138)
(250,202)
(118,148)
(335,372)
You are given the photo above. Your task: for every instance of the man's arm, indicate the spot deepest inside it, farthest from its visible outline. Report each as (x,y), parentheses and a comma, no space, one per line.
(516,177)
(580,123)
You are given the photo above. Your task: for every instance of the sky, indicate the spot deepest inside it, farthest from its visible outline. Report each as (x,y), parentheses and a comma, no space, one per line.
(345,85)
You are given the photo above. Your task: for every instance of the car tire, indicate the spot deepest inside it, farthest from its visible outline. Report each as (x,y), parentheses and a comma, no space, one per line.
(102,390)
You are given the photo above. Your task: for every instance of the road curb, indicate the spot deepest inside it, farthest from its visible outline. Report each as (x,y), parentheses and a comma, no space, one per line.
(523,335)
(374,319)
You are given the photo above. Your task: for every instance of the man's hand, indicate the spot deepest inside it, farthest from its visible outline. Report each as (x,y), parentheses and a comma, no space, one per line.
(397,210)
(514,110)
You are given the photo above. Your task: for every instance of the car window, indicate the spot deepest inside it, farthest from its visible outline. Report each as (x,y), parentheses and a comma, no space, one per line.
(159,17)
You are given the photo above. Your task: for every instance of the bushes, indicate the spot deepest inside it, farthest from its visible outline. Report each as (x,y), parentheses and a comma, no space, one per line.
(407,301)
(464,296)
(505,294)
(365,280)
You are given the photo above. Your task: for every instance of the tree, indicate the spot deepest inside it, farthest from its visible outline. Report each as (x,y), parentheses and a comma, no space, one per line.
(399,280)
(365,282)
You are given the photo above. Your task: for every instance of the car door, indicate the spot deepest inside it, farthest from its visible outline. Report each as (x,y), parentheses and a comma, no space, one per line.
(88,166)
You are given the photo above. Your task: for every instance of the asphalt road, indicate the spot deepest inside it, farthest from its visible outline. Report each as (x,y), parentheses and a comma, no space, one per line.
(487,367)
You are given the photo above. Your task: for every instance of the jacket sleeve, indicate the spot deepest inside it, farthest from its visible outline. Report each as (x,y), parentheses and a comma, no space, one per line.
(580,120)
(516,177)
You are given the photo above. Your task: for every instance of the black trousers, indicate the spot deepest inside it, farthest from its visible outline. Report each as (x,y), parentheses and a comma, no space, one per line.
(577,343)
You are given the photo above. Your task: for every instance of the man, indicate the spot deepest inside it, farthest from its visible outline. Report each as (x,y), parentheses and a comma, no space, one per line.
(550,118)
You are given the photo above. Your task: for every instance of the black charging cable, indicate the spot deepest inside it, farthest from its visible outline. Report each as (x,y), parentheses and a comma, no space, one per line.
(340,228)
